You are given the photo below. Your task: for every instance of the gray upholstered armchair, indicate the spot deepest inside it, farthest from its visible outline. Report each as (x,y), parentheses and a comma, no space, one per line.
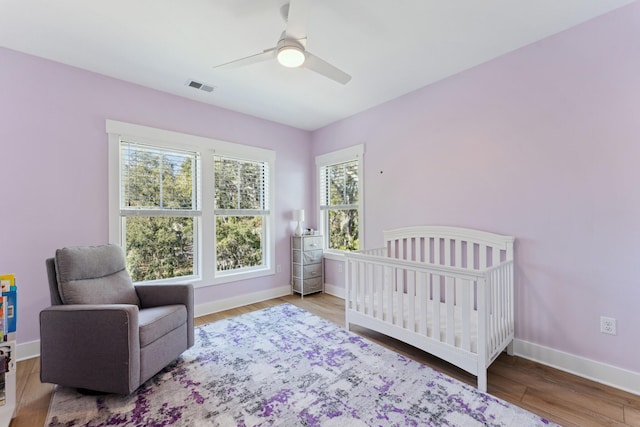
(102,332)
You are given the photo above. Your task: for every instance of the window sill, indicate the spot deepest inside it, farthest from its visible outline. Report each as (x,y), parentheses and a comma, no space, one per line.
(243,275)
(334,255)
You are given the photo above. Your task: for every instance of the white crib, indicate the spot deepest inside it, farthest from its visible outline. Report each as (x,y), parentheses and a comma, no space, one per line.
(445,290)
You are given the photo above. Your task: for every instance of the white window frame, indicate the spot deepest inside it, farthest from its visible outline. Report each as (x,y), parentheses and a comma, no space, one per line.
(266,213)
(355,152)
(207,147)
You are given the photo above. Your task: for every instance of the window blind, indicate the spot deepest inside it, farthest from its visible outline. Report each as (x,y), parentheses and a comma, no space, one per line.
(241,185)
(156,179)
(339,185)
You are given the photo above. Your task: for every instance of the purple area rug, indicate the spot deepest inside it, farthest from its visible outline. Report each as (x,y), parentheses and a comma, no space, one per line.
(283,366)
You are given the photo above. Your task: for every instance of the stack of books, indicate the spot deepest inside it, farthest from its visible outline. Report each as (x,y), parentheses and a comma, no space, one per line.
(8,306)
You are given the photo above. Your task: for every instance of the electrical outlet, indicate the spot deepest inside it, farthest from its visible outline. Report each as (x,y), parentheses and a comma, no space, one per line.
(278,268)
(608,325)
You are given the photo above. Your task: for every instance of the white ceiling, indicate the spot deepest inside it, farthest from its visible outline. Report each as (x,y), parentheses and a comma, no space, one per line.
(389,47)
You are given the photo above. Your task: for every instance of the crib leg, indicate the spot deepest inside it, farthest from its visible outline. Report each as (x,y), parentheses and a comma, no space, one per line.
(482,381)
(510,348)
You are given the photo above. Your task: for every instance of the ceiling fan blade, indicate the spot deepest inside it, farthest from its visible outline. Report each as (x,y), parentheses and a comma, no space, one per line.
(298,18)
(322,67)
(258,57)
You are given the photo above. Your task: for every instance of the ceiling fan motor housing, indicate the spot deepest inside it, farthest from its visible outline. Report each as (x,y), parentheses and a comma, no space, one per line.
(290,52)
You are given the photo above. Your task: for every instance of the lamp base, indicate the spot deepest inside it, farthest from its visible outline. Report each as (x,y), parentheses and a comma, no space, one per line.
(298,231)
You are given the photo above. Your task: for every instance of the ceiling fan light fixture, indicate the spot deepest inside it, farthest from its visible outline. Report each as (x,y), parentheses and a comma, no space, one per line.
(291,56)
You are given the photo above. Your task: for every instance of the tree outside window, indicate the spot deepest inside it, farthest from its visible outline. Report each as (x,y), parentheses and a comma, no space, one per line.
(159,211)
(340,189)
(241,208)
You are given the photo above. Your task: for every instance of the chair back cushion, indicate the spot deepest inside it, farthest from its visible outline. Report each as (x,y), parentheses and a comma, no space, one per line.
(94,275)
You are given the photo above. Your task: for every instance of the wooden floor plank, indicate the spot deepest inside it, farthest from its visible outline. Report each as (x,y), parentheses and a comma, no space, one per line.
(631,416)
(558,407)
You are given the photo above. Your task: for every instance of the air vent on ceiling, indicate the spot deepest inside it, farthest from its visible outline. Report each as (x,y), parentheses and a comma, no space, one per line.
(199,85)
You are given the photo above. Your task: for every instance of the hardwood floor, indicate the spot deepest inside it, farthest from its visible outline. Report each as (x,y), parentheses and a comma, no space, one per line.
(561,397)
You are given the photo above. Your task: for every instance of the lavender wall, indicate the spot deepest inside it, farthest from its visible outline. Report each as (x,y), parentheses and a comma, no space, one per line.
(53,167)
(542,144)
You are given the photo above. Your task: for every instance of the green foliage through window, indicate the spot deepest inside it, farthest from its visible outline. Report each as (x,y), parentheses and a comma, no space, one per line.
(159,247)
(339,201)
(343,229)
(238,242)
(159,211)
(241,209)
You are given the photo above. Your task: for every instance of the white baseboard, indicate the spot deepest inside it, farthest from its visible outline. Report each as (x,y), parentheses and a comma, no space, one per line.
(334,290)
(239,301)
(27,350)
(619,378)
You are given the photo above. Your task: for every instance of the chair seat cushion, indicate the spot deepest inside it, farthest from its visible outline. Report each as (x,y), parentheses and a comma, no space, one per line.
(156,322)
(94,275)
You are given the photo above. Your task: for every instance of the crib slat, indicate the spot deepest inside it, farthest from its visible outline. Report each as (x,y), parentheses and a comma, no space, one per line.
(354,285)
(415,249)
(494,290)
(389,283)
(447,252)
(483,257)
(422,295)
(449,302)
(369,289)
(503,305)
(465,304)
(436,307)
(379,286)
(411,300)
(495,256)
(362,287)
(399,287)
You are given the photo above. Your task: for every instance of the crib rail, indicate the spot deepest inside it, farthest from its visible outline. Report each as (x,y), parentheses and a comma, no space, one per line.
(435,301)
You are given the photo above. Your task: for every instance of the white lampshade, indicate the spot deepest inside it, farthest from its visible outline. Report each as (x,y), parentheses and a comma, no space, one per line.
(298,215)
(291,56)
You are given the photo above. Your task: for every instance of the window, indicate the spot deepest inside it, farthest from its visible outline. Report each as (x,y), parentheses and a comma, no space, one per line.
(159,210)
(189,207)
(340,198)
(242,209)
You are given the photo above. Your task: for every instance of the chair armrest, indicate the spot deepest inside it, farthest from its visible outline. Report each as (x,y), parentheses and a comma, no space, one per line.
(157,295)
(86,346)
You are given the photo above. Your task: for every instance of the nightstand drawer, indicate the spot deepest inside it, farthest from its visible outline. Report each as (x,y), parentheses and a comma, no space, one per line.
(307,271)
(310,257)
(312,243)
(310,285)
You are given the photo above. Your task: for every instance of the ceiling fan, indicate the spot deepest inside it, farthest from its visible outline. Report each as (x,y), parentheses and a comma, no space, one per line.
(290,51)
